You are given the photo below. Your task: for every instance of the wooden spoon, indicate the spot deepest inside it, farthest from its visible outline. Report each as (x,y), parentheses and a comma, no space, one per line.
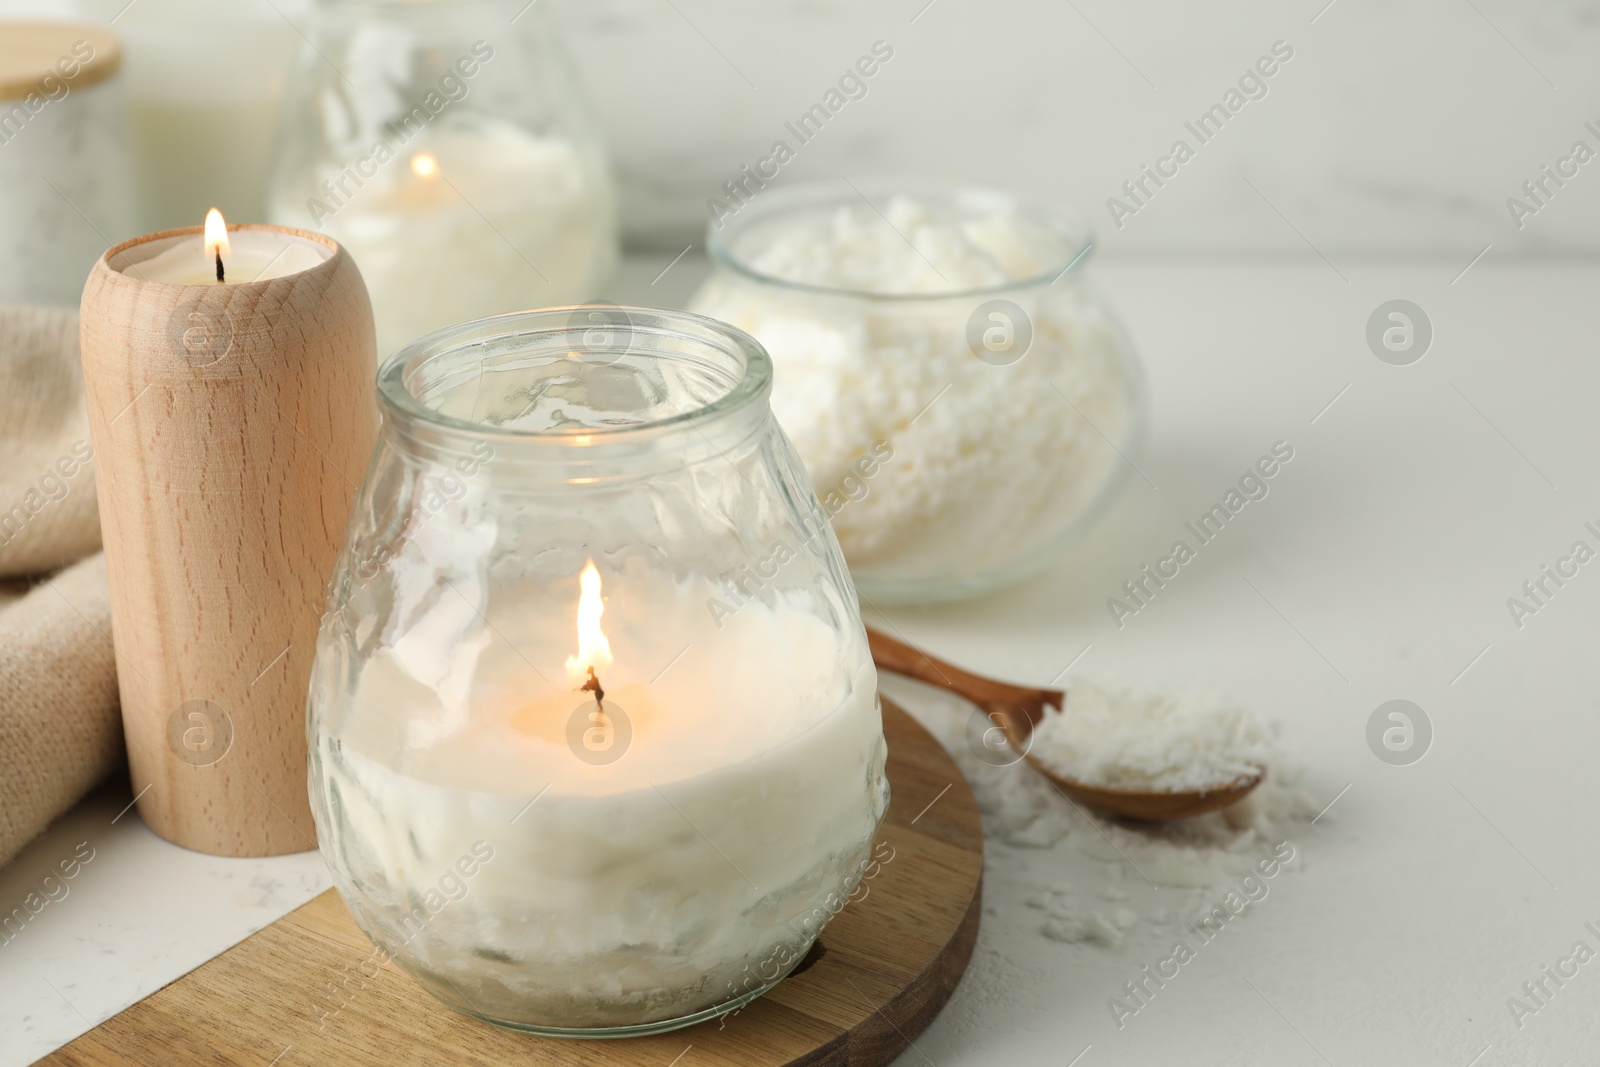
(1017,710)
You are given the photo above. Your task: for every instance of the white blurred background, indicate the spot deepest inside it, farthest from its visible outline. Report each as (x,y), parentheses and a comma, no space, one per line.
(1399,127)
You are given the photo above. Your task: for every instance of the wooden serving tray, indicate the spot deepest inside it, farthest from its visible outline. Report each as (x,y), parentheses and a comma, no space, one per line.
(887,964)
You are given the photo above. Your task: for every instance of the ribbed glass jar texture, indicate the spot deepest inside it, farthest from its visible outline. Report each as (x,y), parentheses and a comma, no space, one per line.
(563,501)
(966,404)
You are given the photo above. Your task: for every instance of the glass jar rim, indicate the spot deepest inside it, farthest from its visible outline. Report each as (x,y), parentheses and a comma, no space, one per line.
(809,196)
(754,382)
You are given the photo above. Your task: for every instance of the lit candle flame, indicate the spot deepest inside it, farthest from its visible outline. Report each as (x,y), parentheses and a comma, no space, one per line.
(425,165)
(216,235)
(593,648)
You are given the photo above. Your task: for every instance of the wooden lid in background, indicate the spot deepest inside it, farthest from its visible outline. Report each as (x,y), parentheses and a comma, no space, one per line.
(30,52)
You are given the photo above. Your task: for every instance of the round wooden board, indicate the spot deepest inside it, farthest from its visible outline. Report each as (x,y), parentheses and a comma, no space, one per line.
(889,961)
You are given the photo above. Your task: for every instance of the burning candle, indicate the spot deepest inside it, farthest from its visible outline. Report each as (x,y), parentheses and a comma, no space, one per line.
(223,254)
(656,849)
(596,740)
(230,420)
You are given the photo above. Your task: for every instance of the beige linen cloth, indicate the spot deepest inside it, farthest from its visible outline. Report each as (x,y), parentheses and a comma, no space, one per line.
(60,728)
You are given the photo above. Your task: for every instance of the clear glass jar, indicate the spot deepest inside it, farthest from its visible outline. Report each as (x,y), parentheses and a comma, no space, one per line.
(578,496)
(963,400)
(445,144)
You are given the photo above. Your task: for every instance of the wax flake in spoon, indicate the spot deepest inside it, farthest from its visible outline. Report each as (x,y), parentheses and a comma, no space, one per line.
(1123,739)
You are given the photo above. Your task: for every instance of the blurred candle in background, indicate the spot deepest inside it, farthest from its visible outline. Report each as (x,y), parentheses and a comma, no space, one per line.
(447,147)
(488,218)
(205,86)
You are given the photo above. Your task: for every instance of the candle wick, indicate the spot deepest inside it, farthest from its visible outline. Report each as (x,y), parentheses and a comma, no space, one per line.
(219,264)
(593,686)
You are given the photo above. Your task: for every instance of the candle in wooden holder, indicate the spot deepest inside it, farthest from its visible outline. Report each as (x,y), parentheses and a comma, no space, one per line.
(232,422)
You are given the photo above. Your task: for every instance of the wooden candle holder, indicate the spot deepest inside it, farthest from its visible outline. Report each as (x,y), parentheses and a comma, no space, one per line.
(231,427)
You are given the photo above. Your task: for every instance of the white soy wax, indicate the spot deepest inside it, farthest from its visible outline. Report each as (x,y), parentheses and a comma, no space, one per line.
(254,254)
(644,888)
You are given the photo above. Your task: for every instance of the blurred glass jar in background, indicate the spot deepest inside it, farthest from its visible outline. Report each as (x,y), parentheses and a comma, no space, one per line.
(446,145)
(963,401)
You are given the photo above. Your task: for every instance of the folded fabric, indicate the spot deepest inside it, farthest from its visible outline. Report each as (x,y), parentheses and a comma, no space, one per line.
(60,727)
(48,514)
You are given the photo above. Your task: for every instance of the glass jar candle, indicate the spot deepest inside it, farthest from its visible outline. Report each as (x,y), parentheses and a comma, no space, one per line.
(963,400)
(445,144)
(594,726)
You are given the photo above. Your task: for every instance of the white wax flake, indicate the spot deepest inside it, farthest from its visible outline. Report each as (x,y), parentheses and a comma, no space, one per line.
(916,252)
(1179,867)
(1129,740)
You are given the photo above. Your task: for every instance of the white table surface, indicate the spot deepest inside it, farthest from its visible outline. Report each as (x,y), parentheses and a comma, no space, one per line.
(1415,506)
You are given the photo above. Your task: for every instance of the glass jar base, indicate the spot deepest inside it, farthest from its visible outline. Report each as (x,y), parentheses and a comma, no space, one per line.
(601,1033)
